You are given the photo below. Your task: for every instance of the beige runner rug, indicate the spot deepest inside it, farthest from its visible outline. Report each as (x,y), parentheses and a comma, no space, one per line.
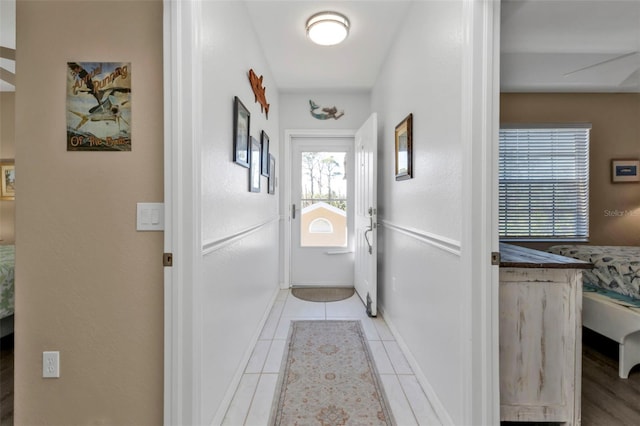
(329,378)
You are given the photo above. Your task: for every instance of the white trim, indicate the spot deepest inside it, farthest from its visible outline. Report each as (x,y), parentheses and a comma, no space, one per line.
(320,220)
(212,246)
(480,125)
(289,135)
(182,211)
(323,205)
(435,240)
(218,418)
(172,312)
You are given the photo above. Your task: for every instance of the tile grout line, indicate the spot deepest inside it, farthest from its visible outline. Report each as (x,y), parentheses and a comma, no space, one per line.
(271,339)
(395,371)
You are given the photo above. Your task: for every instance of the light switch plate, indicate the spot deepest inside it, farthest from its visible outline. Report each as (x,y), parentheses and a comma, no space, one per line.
(150,217)
(50,364)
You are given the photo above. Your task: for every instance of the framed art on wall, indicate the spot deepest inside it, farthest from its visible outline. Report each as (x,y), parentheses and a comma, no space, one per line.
(8,185)
(404,148)
(625,171)
(264,149)
(241,121)
(254,169)
(99,106)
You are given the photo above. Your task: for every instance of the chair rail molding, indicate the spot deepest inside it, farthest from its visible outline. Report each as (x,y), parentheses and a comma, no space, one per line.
(441,242)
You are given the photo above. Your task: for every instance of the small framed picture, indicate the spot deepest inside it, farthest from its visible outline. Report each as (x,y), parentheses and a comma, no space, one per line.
(254,169)
(404,148)
(8,185)
(272,174)
(241,119)
(625,171)
(264,149)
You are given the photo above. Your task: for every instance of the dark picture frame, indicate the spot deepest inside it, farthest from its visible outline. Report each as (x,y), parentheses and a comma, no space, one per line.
(625,171)
(272,174)
(8,180)
(254,168)
(404,148)
(241,128)
(264,150)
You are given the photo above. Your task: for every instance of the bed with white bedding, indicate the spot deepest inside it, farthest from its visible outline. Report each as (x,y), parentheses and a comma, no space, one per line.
(7,289)
(611,296)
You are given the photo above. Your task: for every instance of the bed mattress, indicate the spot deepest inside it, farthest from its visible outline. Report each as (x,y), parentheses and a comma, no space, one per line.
(616,268)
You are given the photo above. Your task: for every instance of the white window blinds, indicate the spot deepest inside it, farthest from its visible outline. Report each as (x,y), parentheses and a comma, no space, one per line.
(544,182)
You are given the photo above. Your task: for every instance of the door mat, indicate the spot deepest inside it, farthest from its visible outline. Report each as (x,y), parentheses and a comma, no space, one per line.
(328,377)
(323,294)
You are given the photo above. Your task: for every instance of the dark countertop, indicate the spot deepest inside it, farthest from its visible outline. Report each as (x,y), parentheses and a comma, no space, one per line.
(521,257)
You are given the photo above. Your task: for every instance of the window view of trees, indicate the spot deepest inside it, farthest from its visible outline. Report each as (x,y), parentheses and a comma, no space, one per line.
(324,179)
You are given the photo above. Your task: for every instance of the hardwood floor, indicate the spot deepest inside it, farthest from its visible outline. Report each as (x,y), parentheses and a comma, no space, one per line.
(607,400)
(6,381)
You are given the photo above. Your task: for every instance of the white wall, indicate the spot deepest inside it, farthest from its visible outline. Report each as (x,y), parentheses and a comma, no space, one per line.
(420,278)
(295,109)
(295,114)
(239,229)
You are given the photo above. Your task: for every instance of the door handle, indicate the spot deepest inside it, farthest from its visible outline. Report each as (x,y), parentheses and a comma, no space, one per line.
(293,211)
(367,240)
(370,229)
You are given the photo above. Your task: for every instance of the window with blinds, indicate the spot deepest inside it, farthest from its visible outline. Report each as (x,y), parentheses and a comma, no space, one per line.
(544,182)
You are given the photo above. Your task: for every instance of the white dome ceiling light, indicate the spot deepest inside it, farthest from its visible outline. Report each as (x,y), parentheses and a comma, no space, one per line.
(327,28)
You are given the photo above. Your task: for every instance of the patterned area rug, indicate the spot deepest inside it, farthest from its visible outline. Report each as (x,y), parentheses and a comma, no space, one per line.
(323,294)
(329,378)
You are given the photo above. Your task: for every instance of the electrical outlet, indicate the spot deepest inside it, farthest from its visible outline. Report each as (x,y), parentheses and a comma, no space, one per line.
(50,364)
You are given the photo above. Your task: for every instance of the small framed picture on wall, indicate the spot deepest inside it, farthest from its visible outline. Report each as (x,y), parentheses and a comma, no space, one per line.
(254,169)
(8,186)
(404,149)
(264,149)
(241,119)
(625,171)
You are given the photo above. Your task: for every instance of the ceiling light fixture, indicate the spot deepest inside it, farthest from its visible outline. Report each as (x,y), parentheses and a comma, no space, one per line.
(327,28)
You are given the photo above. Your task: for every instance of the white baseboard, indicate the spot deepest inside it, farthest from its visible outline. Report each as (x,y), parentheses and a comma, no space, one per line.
(231,390)
(441,412)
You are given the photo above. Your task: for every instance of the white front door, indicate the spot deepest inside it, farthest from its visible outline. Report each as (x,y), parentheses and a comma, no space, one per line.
(366,210)
(322,212)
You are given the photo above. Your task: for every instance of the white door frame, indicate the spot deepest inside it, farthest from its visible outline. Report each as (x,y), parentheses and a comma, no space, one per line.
(481,108)
(289,135)
(182,237)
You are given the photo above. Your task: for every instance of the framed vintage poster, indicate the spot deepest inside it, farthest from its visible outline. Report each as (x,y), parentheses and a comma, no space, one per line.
(264,149)
(625,171)
(404,148)
(241,121)
(254,170)
(8,181)
(98,106)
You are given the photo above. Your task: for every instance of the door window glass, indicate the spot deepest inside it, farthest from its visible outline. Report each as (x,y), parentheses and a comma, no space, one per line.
(323,199)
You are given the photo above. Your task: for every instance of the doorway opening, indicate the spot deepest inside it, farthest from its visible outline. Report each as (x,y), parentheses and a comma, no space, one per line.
(321,219)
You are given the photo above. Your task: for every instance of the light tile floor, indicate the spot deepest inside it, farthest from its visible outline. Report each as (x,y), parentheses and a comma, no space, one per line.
(253,399)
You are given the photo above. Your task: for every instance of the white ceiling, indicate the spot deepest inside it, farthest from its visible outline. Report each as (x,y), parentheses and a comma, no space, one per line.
(570,45)
(296,63)
(547,45)
(544,44)
(7,40)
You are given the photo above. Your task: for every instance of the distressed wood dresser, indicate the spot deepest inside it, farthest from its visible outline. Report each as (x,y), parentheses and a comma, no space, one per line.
(540,322)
